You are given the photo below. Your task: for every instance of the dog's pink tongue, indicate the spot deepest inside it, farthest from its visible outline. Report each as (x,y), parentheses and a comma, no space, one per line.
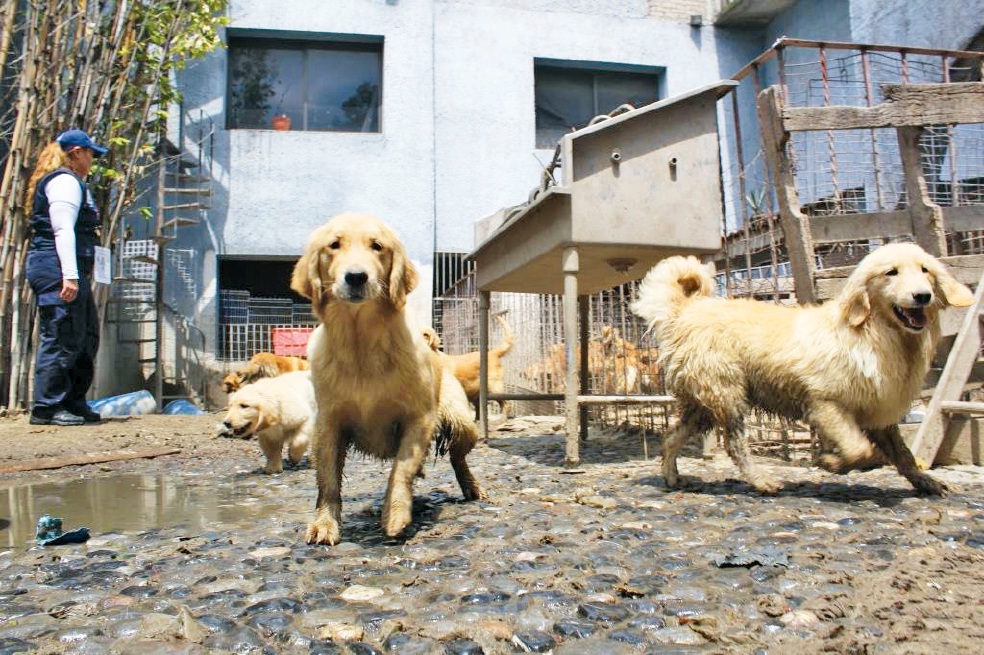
(916,316)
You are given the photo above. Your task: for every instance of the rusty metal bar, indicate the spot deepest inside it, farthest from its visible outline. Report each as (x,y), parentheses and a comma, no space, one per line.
(831,142)
(869,96)
(782,42)
(770,215)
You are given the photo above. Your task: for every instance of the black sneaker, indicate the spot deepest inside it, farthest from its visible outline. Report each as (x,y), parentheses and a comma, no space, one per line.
(61,417)
(87,414)
(92,417)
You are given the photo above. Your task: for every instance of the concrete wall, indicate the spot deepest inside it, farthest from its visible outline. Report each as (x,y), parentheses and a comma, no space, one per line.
(948,24)
(458,123)
(485,149)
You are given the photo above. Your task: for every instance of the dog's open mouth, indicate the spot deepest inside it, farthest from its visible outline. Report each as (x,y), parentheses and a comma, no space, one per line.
(913,318)
(242,432)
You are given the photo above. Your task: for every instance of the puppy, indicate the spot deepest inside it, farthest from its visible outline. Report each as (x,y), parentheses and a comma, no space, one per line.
(379,387)
(466,367)
(850,367)
(263,365)
(279,411)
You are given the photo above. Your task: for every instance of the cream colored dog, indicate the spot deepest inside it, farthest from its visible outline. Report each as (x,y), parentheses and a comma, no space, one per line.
(850,367)
(379,386)
(279,411)
(466,366)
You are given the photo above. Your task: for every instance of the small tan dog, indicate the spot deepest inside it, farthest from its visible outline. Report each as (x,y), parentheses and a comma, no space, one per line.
(379,387)
(279,411)
(850,367)
(263,365)
(466,367)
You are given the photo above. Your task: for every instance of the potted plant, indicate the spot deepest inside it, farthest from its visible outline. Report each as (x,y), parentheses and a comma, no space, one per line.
(280,120)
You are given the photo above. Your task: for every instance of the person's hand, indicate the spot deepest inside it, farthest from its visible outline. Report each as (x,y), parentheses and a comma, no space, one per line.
(69,290)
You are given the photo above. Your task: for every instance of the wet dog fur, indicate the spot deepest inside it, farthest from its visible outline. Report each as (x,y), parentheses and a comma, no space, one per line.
(380,389)
(850,367)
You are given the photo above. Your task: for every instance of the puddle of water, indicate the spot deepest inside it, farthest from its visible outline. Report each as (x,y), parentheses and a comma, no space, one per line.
(132,503)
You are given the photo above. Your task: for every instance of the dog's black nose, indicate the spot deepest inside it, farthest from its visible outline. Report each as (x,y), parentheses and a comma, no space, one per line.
(922,298)
(227,424)
(356,278)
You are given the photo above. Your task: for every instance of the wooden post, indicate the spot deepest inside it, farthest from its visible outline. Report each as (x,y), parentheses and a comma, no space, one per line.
(571,266)
(926,216)
(795,224)
(484,302)
(582,338)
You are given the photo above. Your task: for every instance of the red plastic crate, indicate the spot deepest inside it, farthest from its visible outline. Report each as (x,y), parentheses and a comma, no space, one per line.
(291,341)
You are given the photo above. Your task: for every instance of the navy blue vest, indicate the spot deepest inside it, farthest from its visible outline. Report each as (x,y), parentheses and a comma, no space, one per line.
(86,225)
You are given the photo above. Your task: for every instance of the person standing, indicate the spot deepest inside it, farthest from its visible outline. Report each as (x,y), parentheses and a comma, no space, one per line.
(64,234)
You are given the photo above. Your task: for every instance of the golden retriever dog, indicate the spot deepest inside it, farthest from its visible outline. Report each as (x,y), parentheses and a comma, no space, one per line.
(380,388)
(850,367)
(466,367)
(263,365)
(278,411)
(613,364)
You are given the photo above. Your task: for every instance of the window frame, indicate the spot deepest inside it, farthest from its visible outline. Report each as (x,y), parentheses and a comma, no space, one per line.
(595,69)
(304,43)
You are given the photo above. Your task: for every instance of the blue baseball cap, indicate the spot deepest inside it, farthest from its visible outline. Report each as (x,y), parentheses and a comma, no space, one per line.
(78,139)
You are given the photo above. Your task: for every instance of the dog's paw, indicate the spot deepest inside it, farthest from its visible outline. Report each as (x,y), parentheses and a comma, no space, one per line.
(475,492)
(832,463)
(271,469)
(395,521)
(670,474)
(323,530)
(766,484)
(930,486)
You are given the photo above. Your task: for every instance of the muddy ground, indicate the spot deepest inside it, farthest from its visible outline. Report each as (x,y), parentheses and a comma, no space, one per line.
(869,567)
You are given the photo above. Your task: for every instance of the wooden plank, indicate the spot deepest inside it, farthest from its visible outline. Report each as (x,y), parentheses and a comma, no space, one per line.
(967,269)
(927,217)
(961,360)
(966,218)
(858,227)
(795,224)
(907,105)
(94,458)
(960,407)
(837,228)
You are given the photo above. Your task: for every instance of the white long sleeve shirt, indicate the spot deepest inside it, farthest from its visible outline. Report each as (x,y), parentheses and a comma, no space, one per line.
(64,201)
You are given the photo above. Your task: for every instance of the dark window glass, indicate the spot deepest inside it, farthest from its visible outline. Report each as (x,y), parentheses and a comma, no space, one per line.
(568,98)
(317,86)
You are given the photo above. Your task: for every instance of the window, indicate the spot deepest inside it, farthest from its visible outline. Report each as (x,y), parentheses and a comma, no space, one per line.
(326,86)
(569,94)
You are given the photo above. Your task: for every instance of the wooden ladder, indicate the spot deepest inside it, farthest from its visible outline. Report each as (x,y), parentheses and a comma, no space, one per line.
(937,428)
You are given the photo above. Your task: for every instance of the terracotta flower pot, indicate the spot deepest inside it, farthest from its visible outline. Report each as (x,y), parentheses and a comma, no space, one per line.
(281,122)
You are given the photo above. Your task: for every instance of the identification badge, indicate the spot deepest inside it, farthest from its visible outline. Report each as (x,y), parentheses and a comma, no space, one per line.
(102,272)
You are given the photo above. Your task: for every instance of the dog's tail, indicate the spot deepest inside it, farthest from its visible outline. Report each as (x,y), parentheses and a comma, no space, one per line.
(507,337)
(669,287)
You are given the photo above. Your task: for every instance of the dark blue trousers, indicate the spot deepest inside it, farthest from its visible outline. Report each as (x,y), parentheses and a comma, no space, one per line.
(69,338)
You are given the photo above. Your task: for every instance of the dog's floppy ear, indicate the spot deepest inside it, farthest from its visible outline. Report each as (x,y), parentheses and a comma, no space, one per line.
(434,341)
(949,289)
(300,280)
(265,416)
(855,303)
(231,383)
(310,277)
(402,278)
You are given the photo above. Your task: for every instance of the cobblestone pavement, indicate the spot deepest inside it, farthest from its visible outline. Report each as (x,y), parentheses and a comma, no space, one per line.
(601,561)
